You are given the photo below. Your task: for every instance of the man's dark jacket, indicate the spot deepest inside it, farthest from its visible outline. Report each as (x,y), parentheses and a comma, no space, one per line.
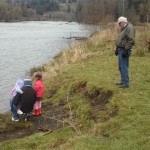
(25,100)
(126,37)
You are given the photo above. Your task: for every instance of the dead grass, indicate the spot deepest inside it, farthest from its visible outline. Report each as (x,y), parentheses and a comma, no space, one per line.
(89,48)
(88,73)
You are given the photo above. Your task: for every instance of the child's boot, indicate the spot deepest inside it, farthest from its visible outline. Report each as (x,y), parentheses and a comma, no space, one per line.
(40,111)
(36,112)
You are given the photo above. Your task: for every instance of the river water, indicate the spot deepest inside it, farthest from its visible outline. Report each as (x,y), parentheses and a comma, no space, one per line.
(24,45)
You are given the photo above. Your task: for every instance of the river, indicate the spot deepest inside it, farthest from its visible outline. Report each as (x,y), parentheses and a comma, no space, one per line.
(24,45)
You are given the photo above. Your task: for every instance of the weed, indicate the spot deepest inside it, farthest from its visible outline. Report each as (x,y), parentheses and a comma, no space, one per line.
(81,92)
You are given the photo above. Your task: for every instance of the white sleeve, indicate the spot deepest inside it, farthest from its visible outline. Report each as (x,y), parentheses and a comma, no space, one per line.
(18,90)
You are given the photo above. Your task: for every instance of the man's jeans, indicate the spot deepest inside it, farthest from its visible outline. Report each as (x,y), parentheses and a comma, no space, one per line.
(123,63)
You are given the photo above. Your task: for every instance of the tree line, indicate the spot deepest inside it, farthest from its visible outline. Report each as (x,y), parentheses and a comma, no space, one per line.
(89,11)
(18,9)
(14,11)
(96,11)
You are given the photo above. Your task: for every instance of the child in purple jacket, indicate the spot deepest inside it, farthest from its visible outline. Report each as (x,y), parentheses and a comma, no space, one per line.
(16,89)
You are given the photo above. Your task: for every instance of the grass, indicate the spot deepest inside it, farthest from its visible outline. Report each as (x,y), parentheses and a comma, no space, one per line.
(84,76)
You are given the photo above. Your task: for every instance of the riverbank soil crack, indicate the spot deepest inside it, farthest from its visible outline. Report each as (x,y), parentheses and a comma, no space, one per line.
(54,117)
(51,119)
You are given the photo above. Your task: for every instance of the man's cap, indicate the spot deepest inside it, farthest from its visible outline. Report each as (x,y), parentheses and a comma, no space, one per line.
(122,19)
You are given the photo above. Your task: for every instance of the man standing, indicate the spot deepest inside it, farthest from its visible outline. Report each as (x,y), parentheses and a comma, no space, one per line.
(124,43)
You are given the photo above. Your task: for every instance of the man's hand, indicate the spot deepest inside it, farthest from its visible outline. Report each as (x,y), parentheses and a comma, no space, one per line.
(116,52)
(125,53)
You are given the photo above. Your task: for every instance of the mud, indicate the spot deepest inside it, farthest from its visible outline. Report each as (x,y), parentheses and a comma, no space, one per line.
(53,116)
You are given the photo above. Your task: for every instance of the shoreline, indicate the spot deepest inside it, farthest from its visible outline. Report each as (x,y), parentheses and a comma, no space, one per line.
(81,90)
(3,110)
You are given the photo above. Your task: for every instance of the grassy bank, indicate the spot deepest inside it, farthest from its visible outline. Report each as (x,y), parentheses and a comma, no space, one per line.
(95,113)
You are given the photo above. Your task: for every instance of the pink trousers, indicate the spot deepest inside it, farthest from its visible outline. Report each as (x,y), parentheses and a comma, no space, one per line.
(37,105)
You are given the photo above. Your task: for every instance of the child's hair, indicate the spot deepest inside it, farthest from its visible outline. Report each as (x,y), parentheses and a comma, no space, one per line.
(38,75)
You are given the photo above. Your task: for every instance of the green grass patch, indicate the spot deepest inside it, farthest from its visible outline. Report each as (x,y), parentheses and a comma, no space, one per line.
(100,114)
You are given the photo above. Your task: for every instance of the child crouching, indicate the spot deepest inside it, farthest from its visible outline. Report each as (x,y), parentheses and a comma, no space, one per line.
(16,89)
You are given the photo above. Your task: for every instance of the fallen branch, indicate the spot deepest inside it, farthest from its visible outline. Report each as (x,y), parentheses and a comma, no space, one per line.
(48,132)
(70,123)
(58,120)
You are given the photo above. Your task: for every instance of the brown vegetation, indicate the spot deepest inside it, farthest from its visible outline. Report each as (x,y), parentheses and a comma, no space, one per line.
(55,117)
(95,11)
(103,11)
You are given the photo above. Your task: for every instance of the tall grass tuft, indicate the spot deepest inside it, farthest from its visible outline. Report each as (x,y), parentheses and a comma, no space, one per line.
(82,78)
(142,40)
(90,48)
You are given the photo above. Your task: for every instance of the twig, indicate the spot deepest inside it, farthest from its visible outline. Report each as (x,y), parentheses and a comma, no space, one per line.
(74,127)
(56,119)
(71,121)
(71,124)
(71,117)
(48,132)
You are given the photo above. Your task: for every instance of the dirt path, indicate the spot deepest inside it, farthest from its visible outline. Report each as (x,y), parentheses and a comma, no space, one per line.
(51,119)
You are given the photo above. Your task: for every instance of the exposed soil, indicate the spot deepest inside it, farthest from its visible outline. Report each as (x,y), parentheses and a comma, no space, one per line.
(53,117)
(97,97)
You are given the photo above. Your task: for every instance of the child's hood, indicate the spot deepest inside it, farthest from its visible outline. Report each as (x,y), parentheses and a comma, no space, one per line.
(20,83)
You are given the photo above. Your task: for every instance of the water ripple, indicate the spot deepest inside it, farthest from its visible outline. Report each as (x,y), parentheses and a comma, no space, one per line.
(28,44)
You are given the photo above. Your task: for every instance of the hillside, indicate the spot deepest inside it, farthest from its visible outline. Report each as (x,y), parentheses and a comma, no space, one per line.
(83,108)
